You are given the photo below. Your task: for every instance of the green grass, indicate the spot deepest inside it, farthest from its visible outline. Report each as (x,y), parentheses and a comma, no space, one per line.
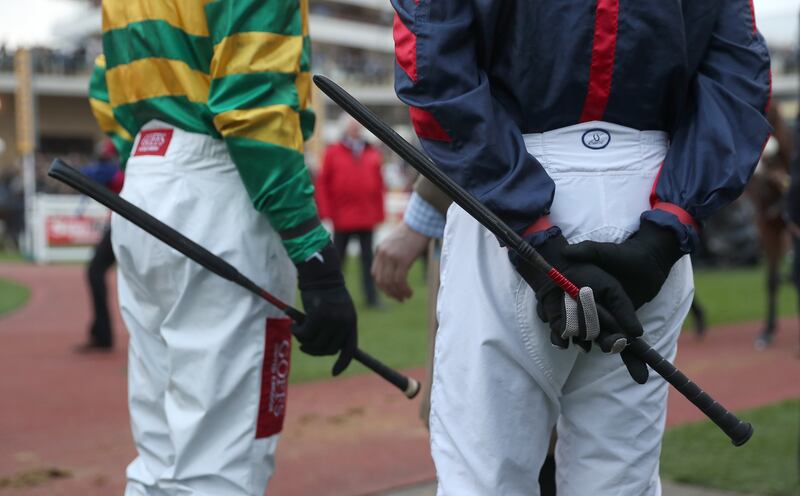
(11,256)
(12,296)
(396,334)
(768,465)
(739,295)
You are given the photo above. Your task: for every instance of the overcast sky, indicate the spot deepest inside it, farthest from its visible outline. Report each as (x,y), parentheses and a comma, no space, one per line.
(28,22)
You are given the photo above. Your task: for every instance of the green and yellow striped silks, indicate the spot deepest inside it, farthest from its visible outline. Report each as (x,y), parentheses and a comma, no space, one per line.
(233,69)
(103,113)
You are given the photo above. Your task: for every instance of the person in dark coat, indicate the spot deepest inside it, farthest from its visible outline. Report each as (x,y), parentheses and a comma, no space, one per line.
(792,213)
(105,171)
(349,192)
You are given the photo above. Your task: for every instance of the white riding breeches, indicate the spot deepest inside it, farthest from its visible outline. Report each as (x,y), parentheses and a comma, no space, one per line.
(208,361)
(499,386)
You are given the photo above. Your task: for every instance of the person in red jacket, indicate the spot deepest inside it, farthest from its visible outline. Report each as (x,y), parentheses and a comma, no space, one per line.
(350,193)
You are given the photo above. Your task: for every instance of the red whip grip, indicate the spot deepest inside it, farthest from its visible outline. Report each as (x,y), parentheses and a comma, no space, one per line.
(563,283)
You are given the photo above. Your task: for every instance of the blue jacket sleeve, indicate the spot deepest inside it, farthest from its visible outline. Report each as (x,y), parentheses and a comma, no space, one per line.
(440,48)
(719,138)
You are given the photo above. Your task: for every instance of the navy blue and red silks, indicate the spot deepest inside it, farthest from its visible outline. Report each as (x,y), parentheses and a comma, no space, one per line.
(479,74)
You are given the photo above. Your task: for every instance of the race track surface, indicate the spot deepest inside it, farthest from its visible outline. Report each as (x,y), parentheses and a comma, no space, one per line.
(64,423)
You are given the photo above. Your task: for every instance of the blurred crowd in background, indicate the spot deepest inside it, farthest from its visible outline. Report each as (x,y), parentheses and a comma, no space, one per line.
(730,238)
(345,64)
(54,61)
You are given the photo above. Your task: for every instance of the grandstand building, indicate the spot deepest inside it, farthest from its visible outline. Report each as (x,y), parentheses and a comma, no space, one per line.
(352,44)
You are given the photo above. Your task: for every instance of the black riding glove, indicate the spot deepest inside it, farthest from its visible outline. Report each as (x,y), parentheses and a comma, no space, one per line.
(580,321)
(330,325)
(641,263)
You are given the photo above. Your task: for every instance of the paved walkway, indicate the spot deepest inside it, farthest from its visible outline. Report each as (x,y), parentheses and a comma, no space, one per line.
(64,422)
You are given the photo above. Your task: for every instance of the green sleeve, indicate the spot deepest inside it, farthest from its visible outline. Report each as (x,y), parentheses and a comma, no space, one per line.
(259,100)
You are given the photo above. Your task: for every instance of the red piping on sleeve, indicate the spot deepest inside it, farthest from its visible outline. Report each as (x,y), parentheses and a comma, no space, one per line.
(653,195)
(753,14)
(426,125)
(540,225)
(656,204)
(678,212)
(405,48)
(603,54)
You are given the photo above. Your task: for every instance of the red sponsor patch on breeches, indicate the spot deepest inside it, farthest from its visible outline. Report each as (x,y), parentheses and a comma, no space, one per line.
(274,377)
(153,142)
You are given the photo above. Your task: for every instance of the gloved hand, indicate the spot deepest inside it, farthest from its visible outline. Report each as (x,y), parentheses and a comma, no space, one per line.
(580,321)
(641,263)
(330,325)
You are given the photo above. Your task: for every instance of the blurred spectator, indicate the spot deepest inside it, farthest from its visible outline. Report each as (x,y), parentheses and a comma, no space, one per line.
(105,170)
(5,195)
(793,203)
(767,189)
(12,194)
(6,59)
(793,214)
(350,193)
(12,208)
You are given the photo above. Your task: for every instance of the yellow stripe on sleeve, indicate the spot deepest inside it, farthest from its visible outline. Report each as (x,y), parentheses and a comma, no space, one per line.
(275,124)
(188,15)
(257,52)
(304,15)
(154,77)
(105,118)
(303,83)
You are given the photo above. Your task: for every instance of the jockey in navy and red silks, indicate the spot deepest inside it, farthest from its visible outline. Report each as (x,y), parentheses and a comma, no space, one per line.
(620,124)
(478,75)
